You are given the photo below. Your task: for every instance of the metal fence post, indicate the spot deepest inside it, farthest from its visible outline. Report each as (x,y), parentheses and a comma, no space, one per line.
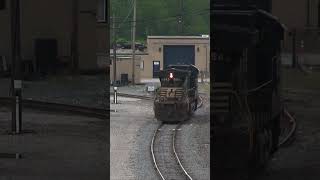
(294,54)
(17,114)
(115,98)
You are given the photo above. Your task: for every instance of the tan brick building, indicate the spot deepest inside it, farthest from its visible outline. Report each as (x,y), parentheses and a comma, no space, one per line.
(197,46)
(163,51)
(55,19)
(124,64)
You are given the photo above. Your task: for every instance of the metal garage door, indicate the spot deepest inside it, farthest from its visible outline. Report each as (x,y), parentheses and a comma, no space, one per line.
(178,54)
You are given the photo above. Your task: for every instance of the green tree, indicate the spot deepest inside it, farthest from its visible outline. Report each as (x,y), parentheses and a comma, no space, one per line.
(161,17)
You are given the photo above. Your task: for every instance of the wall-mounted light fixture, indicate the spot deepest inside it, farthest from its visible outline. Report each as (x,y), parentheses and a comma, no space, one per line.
(159,49)
(198,49)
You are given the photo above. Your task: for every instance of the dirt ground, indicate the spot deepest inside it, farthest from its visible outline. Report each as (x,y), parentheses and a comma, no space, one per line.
(193,142)
(74,90)
(299,160)
(131,131)
(59,147)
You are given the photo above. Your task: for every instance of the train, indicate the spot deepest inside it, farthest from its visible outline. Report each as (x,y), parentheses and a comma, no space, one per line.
(246,101)
(177,97)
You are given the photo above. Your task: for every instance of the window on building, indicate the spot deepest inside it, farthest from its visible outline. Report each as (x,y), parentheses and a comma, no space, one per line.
(102,11)
(2,4)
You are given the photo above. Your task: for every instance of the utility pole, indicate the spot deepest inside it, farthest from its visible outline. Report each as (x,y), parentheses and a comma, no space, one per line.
(114,50)
(16,82)
(107,6)
(133,46)
(180,20)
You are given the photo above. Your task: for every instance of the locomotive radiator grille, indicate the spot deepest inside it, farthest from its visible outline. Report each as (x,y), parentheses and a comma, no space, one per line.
(171,92)
(179,93)
(221,97)
(163,92)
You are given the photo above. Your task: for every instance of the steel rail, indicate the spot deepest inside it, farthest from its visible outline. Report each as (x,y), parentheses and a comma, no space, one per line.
(139,96)
(292,130)
(133,96)
(49,106)
(152,152)
(175,152)
(201,102)
(173,145)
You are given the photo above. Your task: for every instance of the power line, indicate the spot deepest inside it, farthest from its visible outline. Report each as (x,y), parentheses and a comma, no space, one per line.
(203,11)
(159,20)
(181,18)
(129,26)
(128,14)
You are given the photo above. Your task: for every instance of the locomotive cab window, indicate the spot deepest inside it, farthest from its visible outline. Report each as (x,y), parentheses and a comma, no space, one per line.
(172,82)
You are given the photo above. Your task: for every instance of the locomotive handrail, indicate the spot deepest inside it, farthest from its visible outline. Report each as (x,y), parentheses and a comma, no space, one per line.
(265,83)
(259,87)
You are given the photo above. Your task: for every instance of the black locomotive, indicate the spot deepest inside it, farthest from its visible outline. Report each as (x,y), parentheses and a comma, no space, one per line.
(246,102)
(177,98)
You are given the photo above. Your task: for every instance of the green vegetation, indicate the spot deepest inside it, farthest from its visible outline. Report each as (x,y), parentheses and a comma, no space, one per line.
(160,18)
(204,88)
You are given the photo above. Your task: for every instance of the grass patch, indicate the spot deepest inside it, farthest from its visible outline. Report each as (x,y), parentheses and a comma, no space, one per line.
(204,88)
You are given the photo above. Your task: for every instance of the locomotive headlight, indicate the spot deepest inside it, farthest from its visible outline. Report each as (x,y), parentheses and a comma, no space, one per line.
(171,75)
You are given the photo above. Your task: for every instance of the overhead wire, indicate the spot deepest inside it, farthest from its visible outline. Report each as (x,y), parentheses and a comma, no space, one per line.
(199,12)
(127,15)
(149,21)
(164,19)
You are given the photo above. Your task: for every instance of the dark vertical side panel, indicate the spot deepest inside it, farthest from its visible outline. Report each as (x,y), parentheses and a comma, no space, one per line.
(2,4)
(318,14)
(107,13)
(211,86)
(308,13)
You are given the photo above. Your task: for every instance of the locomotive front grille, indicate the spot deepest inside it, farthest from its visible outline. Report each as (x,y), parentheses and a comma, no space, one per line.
(163,92)
(179,93)
(171,93)
(221,97)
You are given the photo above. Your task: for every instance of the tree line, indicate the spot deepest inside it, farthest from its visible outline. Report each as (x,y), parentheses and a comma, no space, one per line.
(160,18)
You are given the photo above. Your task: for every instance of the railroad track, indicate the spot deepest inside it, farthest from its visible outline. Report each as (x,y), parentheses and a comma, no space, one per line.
(288,132)
(164,154)
(148,97)
(56,107)
(65,108)
(133,96)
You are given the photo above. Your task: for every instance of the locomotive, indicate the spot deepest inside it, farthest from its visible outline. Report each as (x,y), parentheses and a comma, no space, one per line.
(177,98)
(246,101)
